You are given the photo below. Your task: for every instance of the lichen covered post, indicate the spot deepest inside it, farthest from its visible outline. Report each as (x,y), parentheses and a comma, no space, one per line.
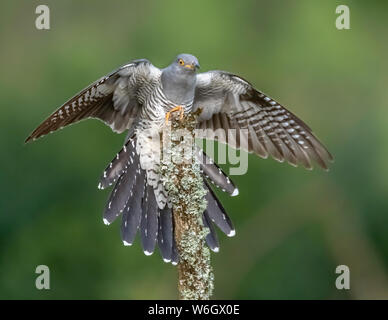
(183,181)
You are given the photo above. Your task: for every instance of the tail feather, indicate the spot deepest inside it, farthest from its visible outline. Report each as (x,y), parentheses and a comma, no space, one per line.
(174,253)
(211,238)
(215,174)
(117,166)
(132,211)
(149,221)
(165,234)
(122,191)
(217,213)
(137,200)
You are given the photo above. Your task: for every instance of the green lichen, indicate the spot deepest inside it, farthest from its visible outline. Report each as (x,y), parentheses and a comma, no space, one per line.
(182,179)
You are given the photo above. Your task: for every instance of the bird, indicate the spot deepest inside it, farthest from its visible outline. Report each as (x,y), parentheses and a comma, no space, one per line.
(139,98)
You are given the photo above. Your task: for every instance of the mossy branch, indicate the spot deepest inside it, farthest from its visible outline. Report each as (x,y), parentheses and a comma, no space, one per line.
(184,184)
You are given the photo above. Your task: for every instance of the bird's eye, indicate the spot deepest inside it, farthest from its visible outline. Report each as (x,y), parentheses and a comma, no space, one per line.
(181,62)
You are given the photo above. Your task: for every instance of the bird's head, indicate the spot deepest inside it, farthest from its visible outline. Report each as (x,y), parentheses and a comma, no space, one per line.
(186,63)
(179,79)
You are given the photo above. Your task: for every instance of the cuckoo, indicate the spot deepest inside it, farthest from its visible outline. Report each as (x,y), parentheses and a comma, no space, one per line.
(139,98)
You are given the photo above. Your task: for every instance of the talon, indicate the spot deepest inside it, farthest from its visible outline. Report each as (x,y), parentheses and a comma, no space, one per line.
(178,108)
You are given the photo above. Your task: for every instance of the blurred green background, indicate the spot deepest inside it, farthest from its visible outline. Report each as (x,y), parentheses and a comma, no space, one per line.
(293,226)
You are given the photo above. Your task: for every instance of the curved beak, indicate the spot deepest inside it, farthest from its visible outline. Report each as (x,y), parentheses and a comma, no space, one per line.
(192,66)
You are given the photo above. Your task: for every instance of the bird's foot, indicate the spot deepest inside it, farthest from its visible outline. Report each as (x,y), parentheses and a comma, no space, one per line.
(178,108)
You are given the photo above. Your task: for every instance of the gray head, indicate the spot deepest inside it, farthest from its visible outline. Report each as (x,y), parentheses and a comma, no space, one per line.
(185,62)
(179,78)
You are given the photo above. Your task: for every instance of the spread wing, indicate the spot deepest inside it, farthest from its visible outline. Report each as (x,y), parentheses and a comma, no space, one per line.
(262,125)
(114,99)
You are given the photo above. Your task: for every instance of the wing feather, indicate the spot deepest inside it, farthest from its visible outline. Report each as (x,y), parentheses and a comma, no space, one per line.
(112,99)
(229,102)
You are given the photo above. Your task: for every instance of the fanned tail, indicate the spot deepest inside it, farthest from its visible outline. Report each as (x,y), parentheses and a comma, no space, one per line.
(135,199)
